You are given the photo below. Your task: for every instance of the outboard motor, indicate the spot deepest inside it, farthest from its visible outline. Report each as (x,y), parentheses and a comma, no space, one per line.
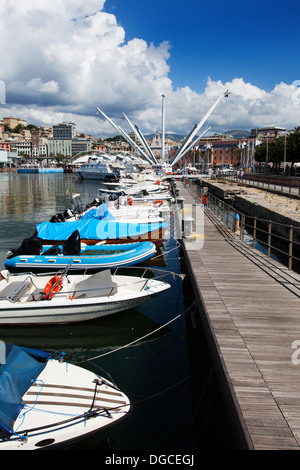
(72,245)
(68,213)
(96,202)
(57,218)
(113,197)
(30,246)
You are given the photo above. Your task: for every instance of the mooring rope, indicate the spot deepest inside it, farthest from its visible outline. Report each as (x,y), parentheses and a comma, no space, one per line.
(143,337)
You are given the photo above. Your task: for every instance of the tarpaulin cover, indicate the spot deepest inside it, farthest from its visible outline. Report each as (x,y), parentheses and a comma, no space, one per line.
(17,372)
(91,227)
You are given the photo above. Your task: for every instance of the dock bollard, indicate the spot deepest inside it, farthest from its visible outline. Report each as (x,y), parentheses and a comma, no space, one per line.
(237,223)
(180,202)
(188,227)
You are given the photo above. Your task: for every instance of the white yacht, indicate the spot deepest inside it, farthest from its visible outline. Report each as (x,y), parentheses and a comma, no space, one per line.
(99,168)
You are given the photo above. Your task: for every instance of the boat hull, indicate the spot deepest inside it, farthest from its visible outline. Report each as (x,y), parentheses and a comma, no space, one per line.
(117,256)
(64,406)
(27,306)
(63,314)
(155,236)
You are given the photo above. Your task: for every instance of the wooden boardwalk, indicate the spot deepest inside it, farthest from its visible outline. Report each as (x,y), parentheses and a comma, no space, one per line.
(250,309)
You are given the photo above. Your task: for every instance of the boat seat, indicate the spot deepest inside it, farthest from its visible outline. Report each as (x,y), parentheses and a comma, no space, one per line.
(16,291)
(97,285)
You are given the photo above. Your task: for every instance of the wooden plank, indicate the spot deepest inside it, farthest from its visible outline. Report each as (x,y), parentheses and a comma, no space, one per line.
(251,310)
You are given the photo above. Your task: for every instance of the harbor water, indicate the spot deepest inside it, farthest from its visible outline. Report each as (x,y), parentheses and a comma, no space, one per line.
(156,354)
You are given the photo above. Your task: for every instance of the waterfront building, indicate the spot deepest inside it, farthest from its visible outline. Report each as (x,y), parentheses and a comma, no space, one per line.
(9,159)
(12,122)
(64,131)
(270,132)
(81,145)
(5,146)
(60,146)
(22,146)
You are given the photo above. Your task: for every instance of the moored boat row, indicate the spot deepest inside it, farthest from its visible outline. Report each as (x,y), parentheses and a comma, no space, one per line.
(83,264)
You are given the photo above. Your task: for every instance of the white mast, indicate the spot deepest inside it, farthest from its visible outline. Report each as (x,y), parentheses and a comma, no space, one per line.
(163,131)
(146,145)
(195,142)
(139,136)
(126,137)
(182,145)
(198,127)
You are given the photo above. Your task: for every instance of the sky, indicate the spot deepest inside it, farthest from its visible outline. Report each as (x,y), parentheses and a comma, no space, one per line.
(63,59)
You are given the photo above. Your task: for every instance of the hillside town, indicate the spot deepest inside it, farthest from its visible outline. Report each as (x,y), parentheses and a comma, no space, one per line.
(21,143)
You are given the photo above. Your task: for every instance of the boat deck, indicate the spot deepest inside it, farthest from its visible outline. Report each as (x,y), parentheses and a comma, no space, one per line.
(250,308)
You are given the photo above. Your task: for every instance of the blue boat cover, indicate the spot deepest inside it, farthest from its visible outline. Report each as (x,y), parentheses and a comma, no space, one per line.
(96,227)
(17,372)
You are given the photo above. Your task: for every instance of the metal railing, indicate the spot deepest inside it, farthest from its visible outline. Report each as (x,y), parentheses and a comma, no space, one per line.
(276,238)
(282,184)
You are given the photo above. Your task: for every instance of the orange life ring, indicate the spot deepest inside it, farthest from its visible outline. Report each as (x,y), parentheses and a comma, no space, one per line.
(130,201)
(158,203)
(52,287)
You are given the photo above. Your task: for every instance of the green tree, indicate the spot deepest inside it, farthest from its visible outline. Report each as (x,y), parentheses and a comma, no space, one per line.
(275,149)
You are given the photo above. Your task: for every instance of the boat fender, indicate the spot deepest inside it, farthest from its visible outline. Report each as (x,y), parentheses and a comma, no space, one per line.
(130,201)
(158,203)
(52,287)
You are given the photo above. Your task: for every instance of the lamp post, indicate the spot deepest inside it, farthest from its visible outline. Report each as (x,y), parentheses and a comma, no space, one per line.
(284,153)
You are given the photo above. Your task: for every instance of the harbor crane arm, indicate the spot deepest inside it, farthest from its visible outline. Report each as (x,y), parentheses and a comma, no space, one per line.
(126,137)
(198,127)
(140,137)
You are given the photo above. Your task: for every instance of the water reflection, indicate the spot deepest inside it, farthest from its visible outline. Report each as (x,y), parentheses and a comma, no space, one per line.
(156,370)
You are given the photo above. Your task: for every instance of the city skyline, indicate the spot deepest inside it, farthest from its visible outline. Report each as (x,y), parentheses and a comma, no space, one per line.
(120,57)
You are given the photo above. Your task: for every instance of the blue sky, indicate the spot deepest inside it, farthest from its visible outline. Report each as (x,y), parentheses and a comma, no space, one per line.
(256,40)
(63,59)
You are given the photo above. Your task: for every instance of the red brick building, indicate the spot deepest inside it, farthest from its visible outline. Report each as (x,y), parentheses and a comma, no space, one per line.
(215,152)
(5,146)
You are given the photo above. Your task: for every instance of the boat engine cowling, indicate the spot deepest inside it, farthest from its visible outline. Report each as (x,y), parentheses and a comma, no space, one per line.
(30,246)
(72,245)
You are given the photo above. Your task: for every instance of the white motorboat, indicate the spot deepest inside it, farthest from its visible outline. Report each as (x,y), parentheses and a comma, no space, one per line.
(47,402)
(123,208)
(96,168)
(33,299)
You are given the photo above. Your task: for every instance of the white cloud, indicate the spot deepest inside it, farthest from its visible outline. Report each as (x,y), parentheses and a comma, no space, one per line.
(63,58)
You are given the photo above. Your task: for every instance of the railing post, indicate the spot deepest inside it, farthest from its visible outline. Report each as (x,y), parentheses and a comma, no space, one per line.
(269,237)
(254,232)
(291,248)
(243,227)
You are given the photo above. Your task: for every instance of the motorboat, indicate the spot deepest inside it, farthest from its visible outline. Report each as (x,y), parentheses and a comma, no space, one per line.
(120,208)
(76,256)
(96,168)
(49,402)
(93,228)
(35,299)
(132,190)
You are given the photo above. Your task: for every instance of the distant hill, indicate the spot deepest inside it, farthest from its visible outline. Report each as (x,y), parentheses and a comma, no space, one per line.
(175,137)
(238,133)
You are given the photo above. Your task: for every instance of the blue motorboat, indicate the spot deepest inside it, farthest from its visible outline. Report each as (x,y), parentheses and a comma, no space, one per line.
(33,256)
(94,228)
